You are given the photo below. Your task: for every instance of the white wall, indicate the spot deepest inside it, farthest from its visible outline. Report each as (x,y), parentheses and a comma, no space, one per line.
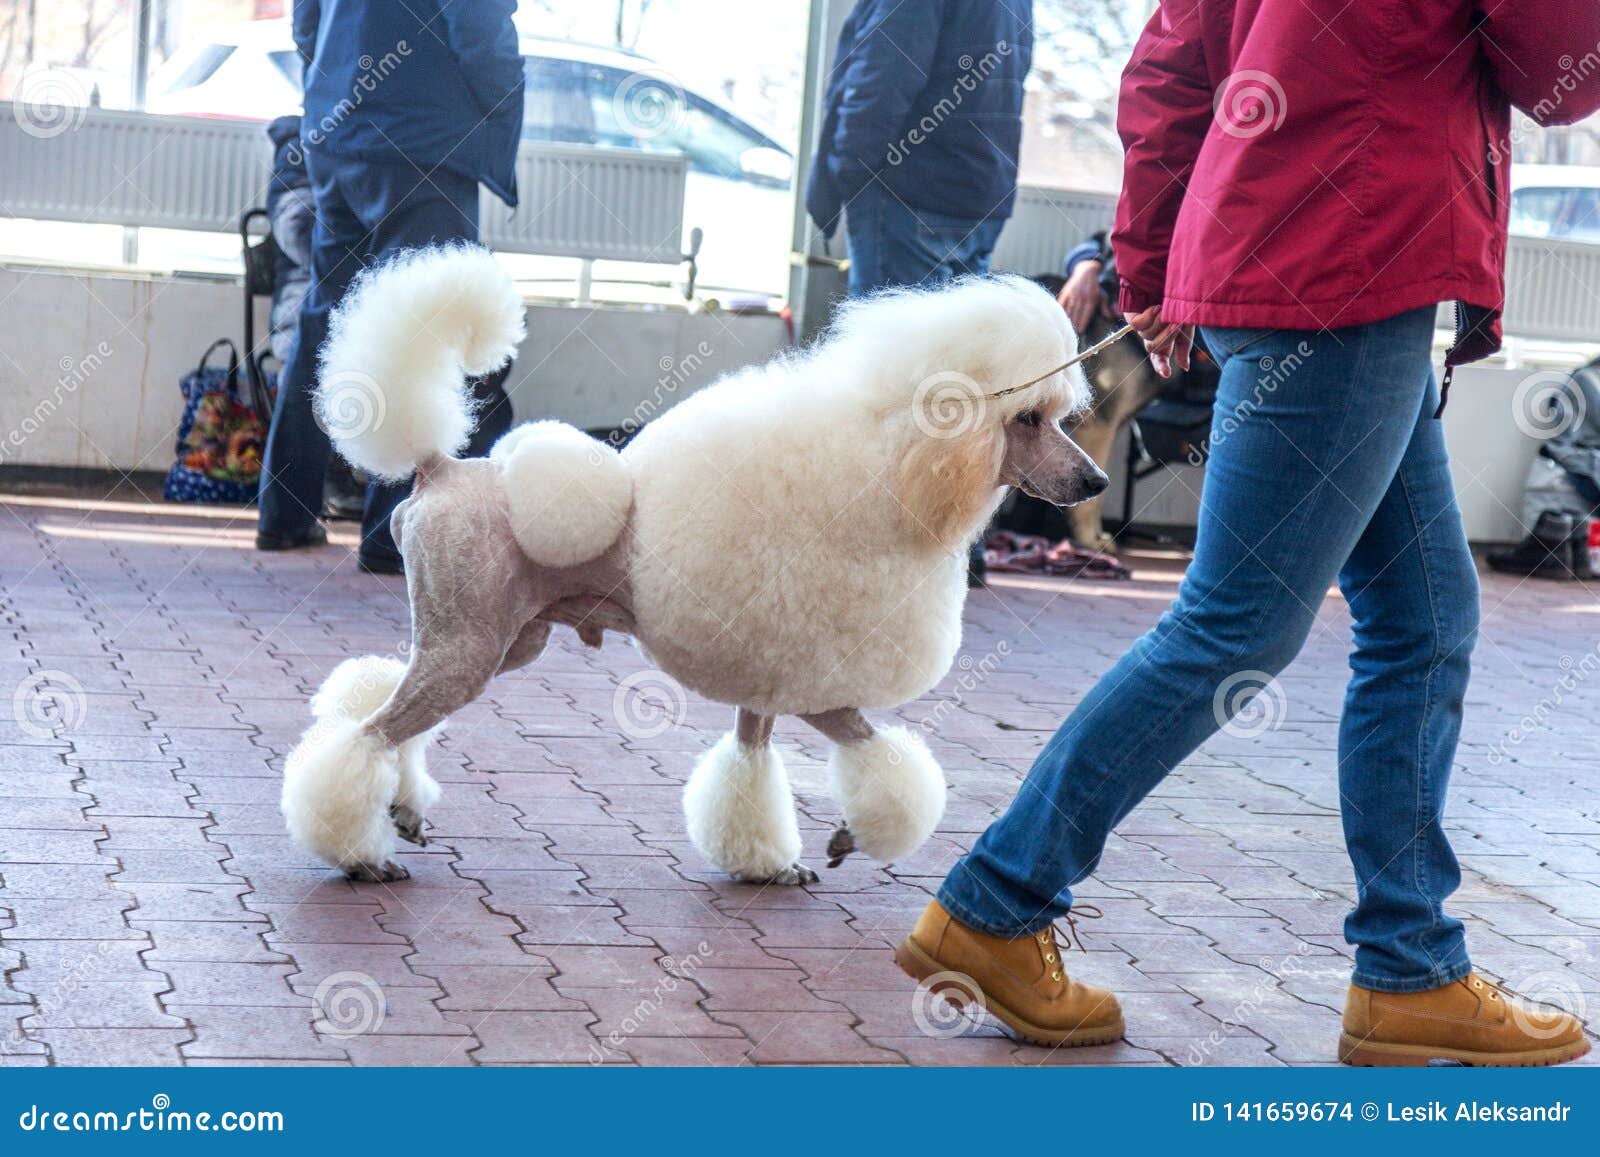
(90,362)
(89,366)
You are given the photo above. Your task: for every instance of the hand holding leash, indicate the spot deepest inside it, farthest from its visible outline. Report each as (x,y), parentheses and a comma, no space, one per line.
(1169,344)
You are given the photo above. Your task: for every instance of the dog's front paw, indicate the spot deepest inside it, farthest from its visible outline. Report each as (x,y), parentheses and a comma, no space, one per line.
(840,845)
(408,824)
(386,873)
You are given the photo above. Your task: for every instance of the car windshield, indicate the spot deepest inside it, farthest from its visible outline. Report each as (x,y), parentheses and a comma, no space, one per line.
(1560,213)
(580,103)
(196,67)
(287,61)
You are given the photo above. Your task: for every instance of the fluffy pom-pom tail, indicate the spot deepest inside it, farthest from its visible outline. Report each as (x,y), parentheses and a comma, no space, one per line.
(392,390)
(570,495)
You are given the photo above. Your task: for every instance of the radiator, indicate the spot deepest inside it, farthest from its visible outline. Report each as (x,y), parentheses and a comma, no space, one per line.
(1553,290)
(1045,224)
(578,201)
(124,168)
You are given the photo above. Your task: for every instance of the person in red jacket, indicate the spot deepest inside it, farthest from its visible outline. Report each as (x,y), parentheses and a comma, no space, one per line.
(1307,182)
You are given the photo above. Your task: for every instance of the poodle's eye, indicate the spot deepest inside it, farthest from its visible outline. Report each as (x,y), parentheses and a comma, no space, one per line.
(1031,418)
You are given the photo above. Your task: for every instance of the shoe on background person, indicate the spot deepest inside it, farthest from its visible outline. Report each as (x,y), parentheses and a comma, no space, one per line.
(314,535)
(373,562)
(1472,1021)
(1558,548)
(1021,982)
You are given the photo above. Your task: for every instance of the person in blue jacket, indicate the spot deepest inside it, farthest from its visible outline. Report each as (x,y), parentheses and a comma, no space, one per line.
(408,108)
(921,129)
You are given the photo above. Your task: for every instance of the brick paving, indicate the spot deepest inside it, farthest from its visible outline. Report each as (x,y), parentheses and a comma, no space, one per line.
(152,910)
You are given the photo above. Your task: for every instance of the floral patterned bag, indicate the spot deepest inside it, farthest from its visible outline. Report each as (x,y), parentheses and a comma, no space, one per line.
(220,437)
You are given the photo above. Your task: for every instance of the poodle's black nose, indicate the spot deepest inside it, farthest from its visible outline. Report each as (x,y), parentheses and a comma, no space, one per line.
(1095,484)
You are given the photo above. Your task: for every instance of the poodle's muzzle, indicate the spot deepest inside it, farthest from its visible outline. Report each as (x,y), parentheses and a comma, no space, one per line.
(1042,461)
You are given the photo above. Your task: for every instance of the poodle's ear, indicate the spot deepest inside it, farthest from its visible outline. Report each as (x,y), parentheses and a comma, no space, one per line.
(946,480)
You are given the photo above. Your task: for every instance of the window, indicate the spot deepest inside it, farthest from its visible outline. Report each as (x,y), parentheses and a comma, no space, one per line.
(1569,213)
(288,63)
(556,105)
(194,66)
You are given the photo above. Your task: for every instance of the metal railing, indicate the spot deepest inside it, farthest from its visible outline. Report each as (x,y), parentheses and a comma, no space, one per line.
(104,166)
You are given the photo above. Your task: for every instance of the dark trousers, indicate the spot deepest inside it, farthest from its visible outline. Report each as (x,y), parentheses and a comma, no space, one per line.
(892,244)
(366,211)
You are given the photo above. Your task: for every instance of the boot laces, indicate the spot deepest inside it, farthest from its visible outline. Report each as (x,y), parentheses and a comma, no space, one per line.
(1052,937)
(1494,990)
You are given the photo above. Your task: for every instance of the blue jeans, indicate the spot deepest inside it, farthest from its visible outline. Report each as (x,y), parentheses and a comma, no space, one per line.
(891,244)
(366,211)
(1326,463)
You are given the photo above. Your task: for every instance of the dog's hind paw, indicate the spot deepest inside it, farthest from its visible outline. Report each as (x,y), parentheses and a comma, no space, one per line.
(385,873)
(409,825)
(840,845)
(795,873)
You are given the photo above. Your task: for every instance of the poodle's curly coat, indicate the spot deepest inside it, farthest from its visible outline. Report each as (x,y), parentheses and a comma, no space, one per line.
(789,540)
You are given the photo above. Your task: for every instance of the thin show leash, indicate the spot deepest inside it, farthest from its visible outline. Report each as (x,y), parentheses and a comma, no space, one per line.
(1102,344)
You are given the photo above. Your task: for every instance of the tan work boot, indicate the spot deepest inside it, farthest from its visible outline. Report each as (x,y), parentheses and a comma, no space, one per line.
(1471,1020)
(1021,982)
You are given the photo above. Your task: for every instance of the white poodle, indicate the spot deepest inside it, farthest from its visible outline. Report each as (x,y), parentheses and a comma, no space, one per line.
(789,540)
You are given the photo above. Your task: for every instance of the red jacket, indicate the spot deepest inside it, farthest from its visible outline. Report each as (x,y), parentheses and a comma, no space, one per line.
(1310,164)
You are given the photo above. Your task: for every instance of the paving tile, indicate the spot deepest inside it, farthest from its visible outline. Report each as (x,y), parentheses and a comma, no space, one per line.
(808,1038)
(267,1033)
(113,1048)
(154,910)
(535,1038)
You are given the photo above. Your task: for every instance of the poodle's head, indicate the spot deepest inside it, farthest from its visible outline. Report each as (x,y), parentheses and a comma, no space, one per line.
(943,363)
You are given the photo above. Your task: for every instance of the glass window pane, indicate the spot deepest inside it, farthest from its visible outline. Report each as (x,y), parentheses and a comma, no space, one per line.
(1537,212)
(55,52)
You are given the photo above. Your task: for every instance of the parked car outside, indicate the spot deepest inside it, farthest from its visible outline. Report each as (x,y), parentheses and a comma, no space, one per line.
(1558,202)
(738,188)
